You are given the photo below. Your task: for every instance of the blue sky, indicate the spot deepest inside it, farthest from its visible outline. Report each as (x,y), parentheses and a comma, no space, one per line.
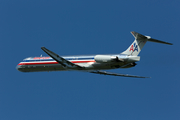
(70,27)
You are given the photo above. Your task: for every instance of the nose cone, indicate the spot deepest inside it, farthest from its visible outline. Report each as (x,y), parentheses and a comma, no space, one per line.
(19,68)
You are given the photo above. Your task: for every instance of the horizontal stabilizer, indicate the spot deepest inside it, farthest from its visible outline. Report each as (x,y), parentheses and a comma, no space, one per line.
(158,41)
(139,36)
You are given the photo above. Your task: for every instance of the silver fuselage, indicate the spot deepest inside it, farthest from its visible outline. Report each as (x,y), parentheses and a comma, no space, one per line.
(35,64)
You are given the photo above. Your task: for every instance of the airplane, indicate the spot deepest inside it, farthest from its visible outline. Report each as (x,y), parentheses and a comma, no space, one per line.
(89,63)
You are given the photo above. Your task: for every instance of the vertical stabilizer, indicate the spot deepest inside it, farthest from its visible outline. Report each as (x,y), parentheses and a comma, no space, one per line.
(135,48)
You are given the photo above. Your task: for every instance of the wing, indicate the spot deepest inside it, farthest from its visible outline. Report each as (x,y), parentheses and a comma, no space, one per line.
(116,74)
(65,63)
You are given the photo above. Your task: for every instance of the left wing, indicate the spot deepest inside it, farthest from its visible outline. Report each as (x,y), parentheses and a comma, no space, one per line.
(116,74)
(65,63)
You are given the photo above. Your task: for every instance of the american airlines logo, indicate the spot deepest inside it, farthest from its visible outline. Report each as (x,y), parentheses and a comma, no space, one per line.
(134,47)
(41,58)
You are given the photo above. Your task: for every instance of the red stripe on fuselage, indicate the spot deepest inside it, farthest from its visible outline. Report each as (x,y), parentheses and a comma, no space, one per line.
(40,63)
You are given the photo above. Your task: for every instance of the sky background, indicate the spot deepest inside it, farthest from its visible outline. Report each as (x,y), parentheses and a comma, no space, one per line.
(75,27)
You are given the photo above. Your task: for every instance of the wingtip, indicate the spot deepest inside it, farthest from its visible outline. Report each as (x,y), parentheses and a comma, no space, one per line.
(168,43)
(42,47)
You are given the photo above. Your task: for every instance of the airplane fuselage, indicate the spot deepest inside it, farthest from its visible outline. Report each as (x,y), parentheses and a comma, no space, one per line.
(89,62)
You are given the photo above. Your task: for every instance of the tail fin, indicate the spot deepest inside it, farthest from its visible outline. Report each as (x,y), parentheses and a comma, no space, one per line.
(139,42)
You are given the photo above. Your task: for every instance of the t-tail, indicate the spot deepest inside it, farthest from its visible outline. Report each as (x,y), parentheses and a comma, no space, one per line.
(139,42)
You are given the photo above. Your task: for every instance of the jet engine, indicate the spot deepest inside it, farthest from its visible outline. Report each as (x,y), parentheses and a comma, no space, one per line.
(106,58)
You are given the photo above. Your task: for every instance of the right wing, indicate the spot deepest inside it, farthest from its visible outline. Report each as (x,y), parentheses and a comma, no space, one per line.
(116,74)
(65,63)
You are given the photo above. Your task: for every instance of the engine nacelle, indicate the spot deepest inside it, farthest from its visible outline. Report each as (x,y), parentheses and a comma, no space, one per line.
(105,58)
